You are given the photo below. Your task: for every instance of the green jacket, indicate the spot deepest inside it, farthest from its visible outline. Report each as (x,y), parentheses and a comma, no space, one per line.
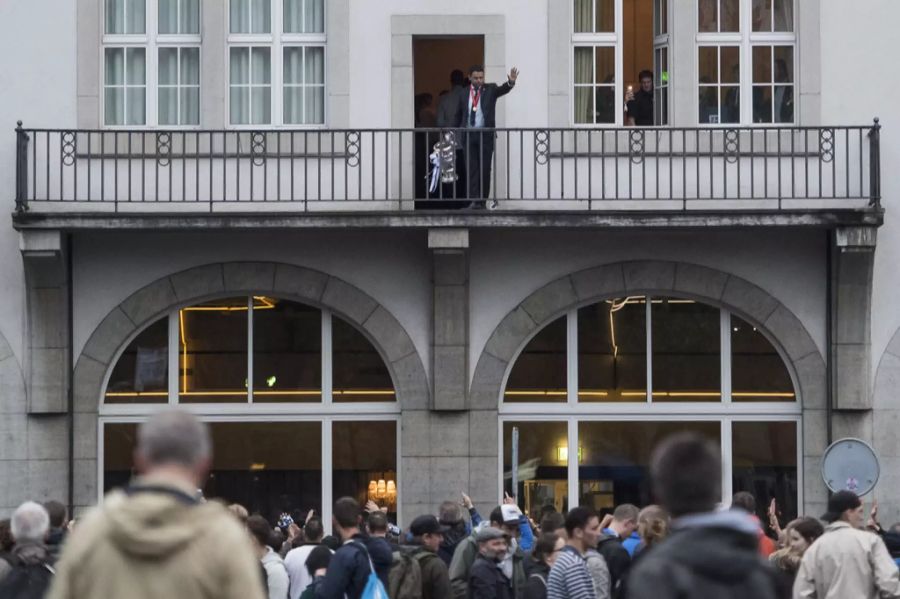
(461,565)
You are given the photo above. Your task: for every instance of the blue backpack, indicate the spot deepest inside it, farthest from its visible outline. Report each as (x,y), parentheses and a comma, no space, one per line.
(373,589)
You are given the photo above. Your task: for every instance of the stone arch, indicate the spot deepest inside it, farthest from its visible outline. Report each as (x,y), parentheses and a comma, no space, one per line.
(689,280)
(284,280)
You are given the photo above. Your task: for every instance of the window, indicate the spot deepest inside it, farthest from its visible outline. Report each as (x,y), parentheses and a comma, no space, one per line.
(277,62)
(746,61)
(595,85)
(607,382)
(146,40)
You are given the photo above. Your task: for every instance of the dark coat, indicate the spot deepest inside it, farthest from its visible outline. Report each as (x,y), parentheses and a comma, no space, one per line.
(382,557)
(490,93)
(348,572)
(435,576)
(705,562)
(487,581)
(536,587)
(448,110)
(617,559)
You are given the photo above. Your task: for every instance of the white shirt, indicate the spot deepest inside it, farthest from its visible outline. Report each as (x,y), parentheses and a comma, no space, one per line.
(295,563)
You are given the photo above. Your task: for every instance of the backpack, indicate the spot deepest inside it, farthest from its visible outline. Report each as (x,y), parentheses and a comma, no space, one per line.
(373,589)
(405,577)
(27,581)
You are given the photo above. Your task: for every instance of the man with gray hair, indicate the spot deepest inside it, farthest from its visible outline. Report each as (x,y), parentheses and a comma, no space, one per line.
(156,538)
(32,568)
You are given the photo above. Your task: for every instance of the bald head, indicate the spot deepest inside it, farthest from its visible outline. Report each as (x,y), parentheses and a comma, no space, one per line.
(173,438)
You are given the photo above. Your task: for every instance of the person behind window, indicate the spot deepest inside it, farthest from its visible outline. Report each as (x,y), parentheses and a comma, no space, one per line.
(784,94)
(639,106)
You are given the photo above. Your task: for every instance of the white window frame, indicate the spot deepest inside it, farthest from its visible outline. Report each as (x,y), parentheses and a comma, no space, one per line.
(151,41)
(746,38)
(276,41)
(726,411)
(611,39)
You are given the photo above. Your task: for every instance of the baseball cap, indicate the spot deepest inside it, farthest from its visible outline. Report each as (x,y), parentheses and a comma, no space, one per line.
(424,525)
(511,513)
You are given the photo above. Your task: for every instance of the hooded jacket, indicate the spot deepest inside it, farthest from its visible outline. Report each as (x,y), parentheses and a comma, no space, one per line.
(708,555)
(157,544)
(846,562)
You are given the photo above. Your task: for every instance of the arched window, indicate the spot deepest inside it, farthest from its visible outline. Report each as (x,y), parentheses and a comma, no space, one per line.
(301,405)
(616,377)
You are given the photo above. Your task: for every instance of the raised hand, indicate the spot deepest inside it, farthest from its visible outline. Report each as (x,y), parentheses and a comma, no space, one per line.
(513,74)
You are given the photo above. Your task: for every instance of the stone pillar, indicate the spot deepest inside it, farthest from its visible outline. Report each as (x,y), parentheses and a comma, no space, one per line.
(47,326)
(450,345)
(853,257)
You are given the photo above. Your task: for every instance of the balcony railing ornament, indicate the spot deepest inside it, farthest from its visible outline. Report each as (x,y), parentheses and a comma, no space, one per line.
(636,143)
(541,146)
(258,148)
(732,145)
(68,147)
(351,141)
(163,148)
(826,144)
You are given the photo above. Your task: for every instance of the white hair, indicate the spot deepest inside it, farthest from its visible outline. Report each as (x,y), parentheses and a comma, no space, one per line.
(30,522)
(173,437)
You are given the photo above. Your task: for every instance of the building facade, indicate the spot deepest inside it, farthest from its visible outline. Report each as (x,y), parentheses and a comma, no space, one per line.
(225,205)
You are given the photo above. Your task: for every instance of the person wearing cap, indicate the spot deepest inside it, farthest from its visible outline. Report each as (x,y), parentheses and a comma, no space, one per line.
(487,580)
(317,566)
(846,561)
(505,518)
(427,535)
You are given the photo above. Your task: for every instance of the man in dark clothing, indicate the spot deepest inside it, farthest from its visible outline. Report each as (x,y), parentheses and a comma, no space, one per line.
(427,535)
(379,549)
(449,105)
(477,110)
(448,116)
(32,565)
(350,567)
(709,553)
(486,579)
(451,517)
(59,519)
(610,546)
(640,105)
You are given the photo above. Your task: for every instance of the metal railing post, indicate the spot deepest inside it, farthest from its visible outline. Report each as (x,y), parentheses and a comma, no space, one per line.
(21,168)
(875,165)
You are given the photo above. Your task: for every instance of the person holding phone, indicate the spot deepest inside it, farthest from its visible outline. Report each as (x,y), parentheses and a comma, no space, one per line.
(639,106)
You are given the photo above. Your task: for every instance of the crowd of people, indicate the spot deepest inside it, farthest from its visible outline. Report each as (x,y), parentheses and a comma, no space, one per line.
(158,538)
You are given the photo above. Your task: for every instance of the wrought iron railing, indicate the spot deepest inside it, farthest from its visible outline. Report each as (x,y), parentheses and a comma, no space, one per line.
(393,169)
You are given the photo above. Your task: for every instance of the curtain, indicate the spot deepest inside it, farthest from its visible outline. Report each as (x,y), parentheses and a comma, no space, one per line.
(136,82)
(293,16)
(114,91)
(126,16)
(168,16)
(314,76)
(167,96)
(251,16)
(261,88)
(189,95)
(293,78)
(239,96)
(584,16)
(314,16)
(784,15)
(584,74)
(190,16)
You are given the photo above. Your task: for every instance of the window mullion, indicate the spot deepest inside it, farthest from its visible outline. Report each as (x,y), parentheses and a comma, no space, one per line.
(572,357)
(649,326)
(174,355)
(727,466)
(725,354)
(327,491)
(572,462)
(250,349)
(327,359)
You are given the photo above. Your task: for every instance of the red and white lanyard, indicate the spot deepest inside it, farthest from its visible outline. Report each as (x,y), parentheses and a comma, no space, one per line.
(474,98)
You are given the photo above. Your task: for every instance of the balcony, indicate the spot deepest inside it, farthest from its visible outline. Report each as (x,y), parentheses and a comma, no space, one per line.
(792,176)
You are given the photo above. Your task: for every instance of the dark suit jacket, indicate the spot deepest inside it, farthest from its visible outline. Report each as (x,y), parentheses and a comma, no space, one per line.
(488,103)
(449,107)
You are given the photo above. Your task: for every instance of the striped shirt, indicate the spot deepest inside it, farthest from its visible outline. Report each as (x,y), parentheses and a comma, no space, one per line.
(569,578)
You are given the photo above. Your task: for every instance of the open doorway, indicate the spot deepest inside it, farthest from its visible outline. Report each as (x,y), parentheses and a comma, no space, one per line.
(645,50)
(434,60)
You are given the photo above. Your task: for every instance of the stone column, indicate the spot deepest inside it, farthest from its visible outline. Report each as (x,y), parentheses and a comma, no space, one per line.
(450,277)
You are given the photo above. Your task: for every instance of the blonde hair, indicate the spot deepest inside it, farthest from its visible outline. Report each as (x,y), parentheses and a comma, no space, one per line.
(653,525)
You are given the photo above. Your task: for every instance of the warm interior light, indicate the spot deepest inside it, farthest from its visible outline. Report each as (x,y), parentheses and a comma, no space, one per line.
(257,466)
(562,453)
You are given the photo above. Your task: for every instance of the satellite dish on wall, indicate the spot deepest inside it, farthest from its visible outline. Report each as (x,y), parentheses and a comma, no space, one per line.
(850,465)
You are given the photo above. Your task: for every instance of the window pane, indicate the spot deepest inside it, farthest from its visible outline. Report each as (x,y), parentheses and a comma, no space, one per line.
(762,15)
(239,16)
(213,352)
(239,99)
(287,351)
(606,65)
(135,72)
(314,18)
(135,105)
(141,375)
(757,371)
(114,105)
(542,467)
(249,464)
(115,16)
(114,66)
(709,106)
(190,106)
(612,351)
(730,98)
(784,15)
(584,16)
(606,104)
(731,64)
(261,19)
(606,13)
(366,453)
(784,104)
(614,460)
(731,18)
(539,373)
(764,463)
(260,67)
(260,105)
(709,15)
(358,371)
(762,64)
(584,100)
(686,356)
(293,65)
(190,66)
(315,105)
(293,105)
(135,16)
(709,64)
(314,65)
(584,65)
(168,105)
(240,66)
(784,64)
(190,16)
(168,66)
(168,16)
(762,104)
(293,16)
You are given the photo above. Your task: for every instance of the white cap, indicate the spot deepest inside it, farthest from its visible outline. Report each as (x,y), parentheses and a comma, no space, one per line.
(511,513)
